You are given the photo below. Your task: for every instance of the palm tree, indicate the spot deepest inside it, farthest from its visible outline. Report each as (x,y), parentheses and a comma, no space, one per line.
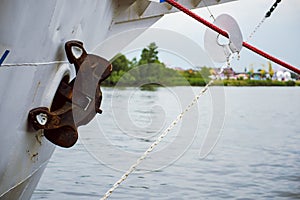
(271,71)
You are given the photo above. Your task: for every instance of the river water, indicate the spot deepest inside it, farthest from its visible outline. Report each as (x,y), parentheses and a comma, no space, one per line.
(235,143)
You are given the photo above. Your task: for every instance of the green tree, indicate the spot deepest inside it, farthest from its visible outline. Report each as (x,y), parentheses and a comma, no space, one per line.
(134,72)
(133,63)
(120,63)
(149,55)
(205,72)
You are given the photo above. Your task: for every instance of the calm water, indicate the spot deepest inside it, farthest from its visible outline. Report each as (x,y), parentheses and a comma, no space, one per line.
(257,155)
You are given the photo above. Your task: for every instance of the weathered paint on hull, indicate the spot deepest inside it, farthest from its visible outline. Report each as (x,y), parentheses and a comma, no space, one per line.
(36,31)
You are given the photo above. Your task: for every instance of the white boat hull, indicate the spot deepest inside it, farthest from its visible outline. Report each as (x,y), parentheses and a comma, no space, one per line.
(35,32)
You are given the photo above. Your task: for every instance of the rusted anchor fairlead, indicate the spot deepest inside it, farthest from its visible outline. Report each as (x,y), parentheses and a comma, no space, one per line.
(75,103)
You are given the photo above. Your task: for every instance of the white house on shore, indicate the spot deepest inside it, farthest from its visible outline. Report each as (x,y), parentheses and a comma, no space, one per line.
(229,73)
(283,76)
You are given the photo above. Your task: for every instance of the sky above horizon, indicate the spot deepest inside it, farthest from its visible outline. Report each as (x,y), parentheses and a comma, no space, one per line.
(279,34)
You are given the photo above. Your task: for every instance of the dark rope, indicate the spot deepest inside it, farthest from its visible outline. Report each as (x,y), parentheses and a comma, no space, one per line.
(268,14)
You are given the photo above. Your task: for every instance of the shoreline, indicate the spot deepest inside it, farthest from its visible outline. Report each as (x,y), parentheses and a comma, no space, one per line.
(257,83)
(226,82)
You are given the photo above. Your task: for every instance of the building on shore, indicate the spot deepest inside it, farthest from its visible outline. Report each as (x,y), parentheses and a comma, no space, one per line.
(229,73)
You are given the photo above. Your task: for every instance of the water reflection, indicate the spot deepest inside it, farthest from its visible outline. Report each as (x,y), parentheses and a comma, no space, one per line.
(257,157)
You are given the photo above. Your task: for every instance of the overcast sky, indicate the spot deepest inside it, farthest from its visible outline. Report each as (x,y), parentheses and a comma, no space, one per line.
(279,35)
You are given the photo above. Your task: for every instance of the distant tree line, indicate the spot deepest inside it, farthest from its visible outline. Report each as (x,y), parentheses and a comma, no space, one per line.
(148,69)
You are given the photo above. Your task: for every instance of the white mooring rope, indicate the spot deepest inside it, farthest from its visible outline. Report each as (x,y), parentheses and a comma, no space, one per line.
(33,64)
(154,144)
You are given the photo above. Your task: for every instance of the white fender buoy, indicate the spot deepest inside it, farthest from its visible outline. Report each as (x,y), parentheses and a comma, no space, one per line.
(218,47)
